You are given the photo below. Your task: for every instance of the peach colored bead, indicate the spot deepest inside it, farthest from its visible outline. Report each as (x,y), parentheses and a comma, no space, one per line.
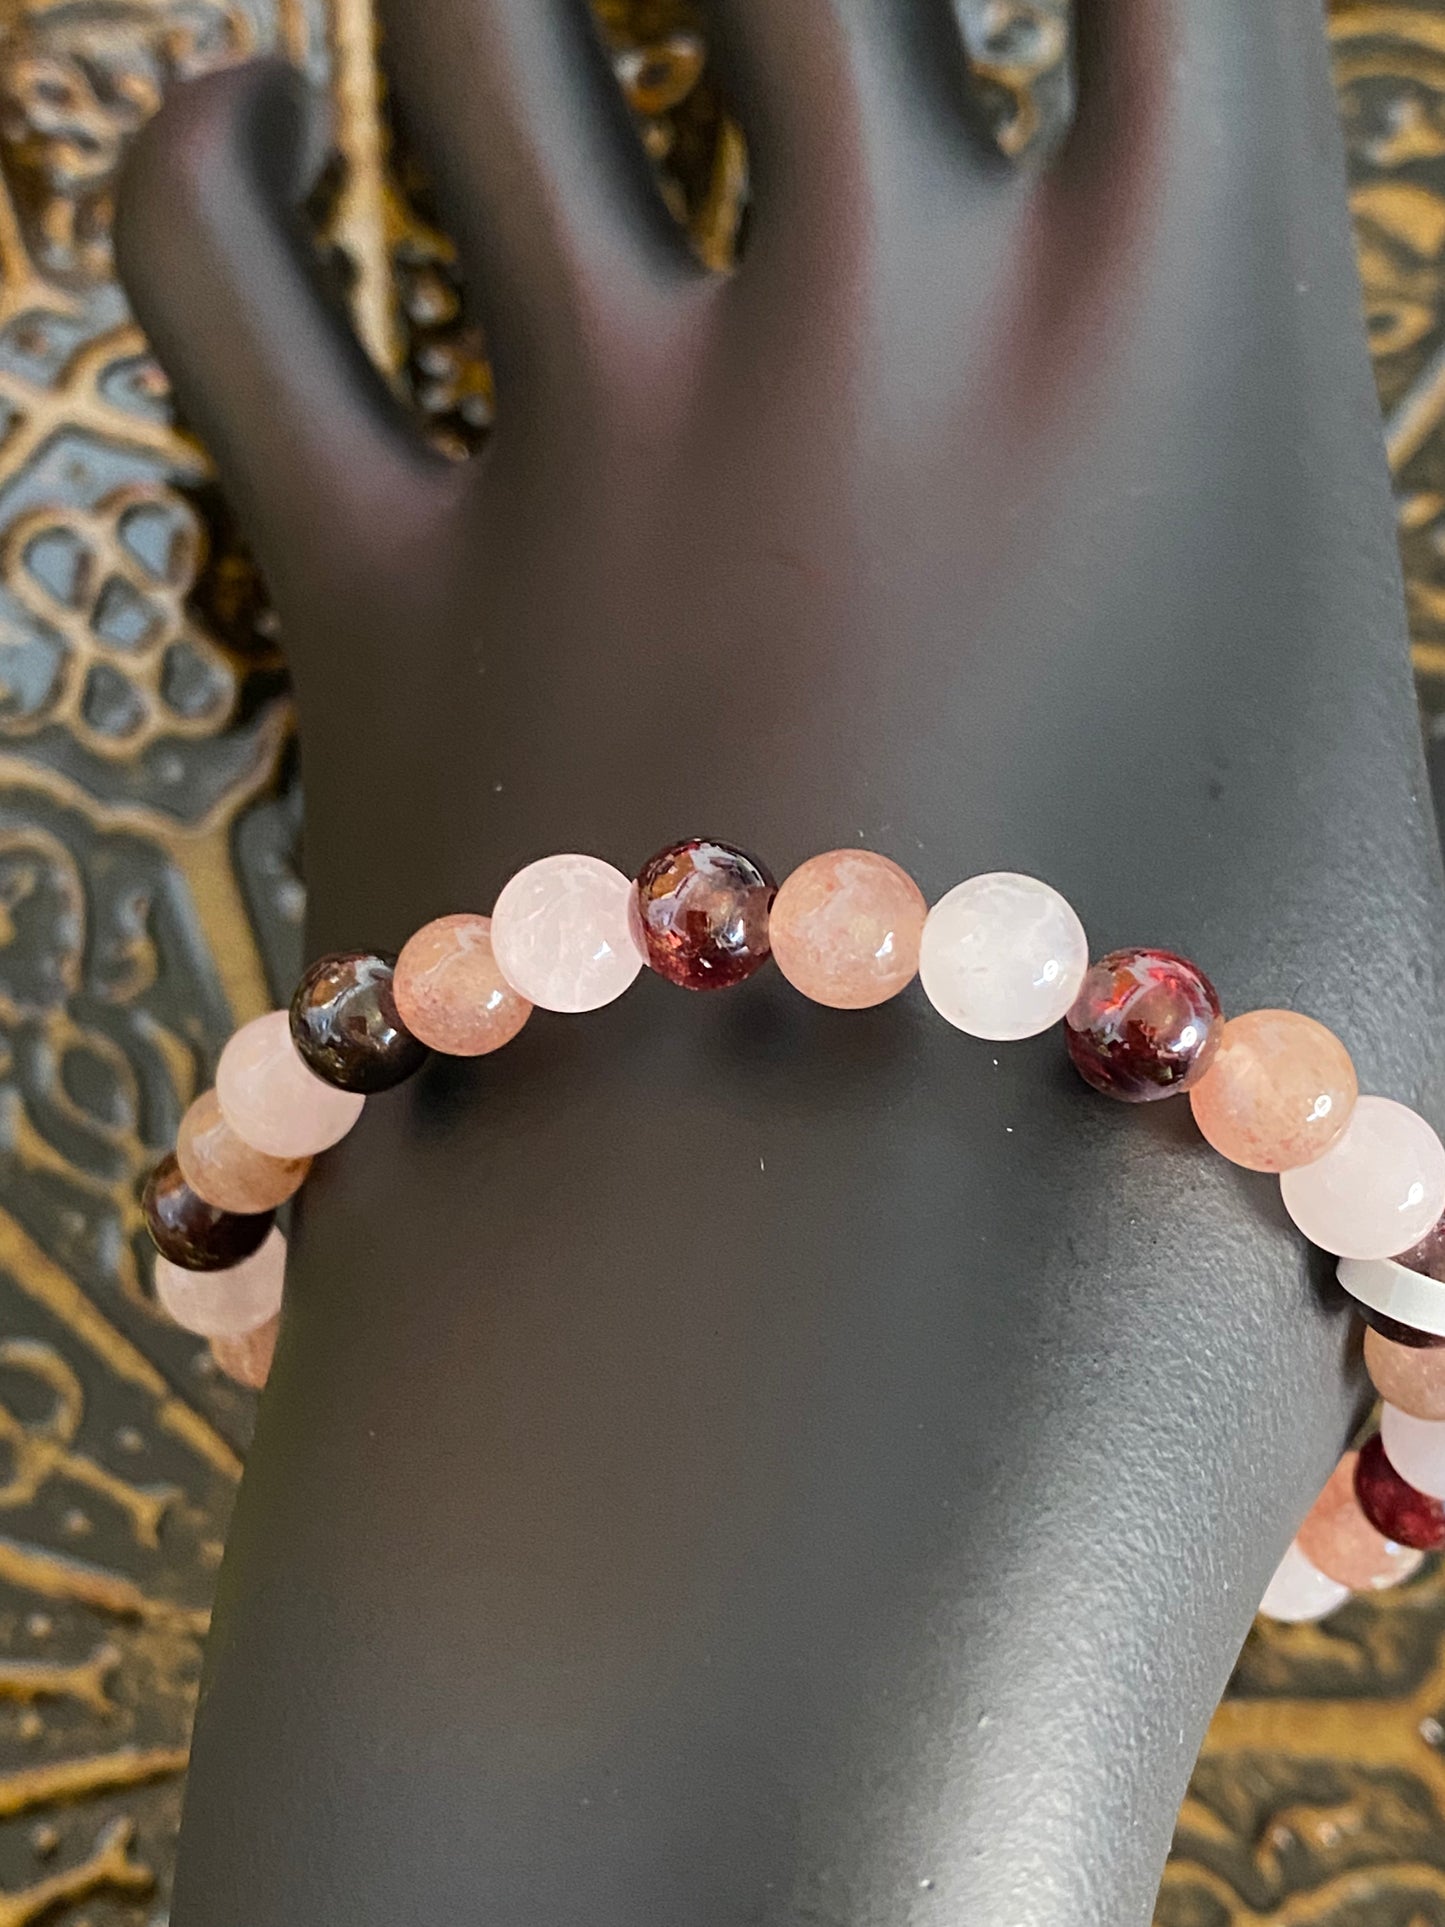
(1341,1543)
(226,1171)
(271,1101)
(562,933)
(1279,1092)
(247,1359)
(846,927)
(1411,1377)
(1379,1188)
(225,1304)
(450,992)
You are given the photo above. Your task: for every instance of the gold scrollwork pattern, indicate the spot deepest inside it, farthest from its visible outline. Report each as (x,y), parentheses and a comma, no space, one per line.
(149,891)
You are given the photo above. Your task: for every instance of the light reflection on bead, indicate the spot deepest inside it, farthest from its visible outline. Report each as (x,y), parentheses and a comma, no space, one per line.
(1279,1092)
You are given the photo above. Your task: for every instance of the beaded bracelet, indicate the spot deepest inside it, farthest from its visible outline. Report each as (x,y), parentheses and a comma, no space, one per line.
(1001,956)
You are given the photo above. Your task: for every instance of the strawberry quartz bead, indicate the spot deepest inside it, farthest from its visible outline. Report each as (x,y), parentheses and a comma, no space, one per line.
(1340,1541)
(700,914)
(1394,1507)
(1146,1024)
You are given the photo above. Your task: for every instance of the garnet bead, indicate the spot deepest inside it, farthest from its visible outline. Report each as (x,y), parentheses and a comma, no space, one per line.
(700,914)
(347,1029)
(195,1235)
(1394,1507)
(1146,1024)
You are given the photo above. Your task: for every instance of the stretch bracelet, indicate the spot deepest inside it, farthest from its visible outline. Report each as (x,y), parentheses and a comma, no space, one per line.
(1002,957)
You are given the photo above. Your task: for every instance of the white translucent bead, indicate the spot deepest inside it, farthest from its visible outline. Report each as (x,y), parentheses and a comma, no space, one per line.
(1377,1190)
(1300,1592)
(225,1304)
(562,935)
(1416,1449)
(1003,956)
(272,1101)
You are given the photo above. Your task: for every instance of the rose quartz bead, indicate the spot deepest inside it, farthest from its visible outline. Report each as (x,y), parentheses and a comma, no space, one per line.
(226,1171)
(248,1359)
(1003,956)
(1299,1592)
(1379,1187)
(1416,1449)
(1411,1377)
(846,929)
(1279,1092)
(225,1304)
(1339,1540)
(561,932)
(271,1101)
(450,991)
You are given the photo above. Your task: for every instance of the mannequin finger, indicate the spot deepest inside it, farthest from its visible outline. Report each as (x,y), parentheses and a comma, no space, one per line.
(1153,72)
(264,362)
(836,94)
(565,236)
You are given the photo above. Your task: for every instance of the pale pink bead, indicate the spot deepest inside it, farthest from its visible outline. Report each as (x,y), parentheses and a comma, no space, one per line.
(1299,1592)
(272,1101)
(1339,1540)
(1377,1190)
(562,934)
(450,992)
(248,1359)
(225,1304)
(226,1171)
(845,929)
(1416,1449)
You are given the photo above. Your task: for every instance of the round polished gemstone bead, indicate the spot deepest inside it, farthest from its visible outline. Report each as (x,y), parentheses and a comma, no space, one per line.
(194,1234)
(228,1172)
(1146,1024)
(700,914)
(225,1304)
(271,1101)
(1416,1448)
(450,990)
(248,1359)
(1300,1593)
(1279,1092)
(1392,1506)
(846,927)
(1380,1186)
(1003,956)
(561,932)
(1339,1540)
(1411,1377)
(347,1029)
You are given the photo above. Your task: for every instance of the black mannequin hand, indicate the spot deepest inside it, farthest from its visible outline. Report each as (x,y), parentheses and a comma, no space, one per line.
(728,1461)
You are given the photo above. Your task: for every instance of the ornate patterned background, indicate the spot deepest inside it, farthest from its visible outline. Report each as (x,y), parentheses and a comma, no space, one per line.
(149,892)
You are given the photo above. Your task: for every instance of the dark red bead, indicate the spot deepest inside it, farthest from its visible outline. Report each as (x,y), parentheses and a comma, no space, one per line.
(1429,1255)
(346,1026)
(193,1234)
(1397,1333)
(700,914)
(1146,1024)
(1393,1506)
